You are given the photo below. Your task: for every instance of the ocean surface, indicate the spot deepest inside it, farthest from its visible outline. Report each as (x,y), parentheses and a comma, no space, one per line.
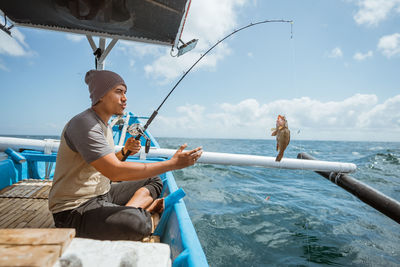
(250,216)
(307,220)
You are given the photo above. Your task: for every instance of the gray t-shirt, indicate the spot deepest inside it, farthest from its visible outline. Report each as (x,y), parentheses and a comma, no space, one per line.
(85,134)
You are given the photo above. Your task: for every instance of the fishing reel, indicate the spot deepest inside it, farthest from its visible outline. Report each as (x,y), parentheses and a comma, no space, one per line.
(137,130)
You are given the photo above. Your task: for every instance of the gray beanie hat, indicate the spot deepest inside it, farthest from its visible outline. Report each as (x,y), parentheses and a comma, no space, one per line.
(100,82)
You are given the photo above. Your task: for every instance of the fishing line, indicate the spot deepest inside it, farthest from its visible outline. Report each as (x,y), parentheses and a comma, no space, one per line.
(139,130)
(301,145)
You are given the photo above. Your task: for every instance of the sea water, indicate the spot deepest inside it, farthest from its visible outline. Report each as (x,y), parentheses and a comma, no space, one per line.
(250,216)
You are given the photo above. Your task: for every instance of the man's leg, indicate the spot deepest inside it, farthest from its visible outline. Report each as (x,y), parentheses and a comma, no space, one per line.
(146,197)
(107,218)
(141,199)
(138,194)
(98,218)
(106,221)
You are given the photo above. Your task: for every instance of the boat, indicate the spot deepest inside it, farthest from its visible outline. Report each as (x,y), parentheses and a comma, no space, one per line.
(26,174)
(27,170)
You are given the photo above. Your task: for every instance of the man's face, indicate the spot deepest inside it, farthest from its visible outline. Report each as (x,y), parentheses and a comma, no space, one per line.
(114,101)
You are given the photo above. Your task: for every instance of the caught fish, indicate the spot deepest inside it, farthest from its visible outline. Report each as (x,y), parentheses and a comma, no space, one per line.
(282,134)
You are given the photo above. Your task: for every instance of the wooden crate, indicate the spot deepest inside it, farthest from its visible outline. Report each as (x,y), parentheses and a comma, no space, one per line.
(33,247)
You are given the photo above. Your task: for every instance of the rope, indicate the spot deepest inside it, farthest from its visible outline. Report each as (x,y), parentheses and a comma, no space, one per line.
(335,178)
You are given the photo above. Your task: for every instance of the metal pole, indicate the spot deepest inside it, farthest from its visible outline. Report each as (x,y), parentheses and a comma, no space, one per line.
(388,206)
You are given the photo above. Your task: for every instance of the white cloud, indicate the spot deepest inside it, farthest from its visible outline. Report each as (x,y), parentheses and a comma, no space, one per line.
(360,56)
(359,117)
(166,68)
(336,53)
(75,37)
(208,21)
(389,45)
(372,12)
(383,116)
(15,45)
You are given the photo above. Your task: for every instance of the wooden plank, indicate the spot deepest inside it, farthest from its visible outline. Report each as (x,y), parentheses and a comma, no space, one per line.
(26,255)
(27,188)
(5,189)
(9,208)
(4,202)
(17,190)
(22,215)
(27,205)
(47,217)
(24,236)
(39,220)
(8,190)
(49,223)
(8,213)
(43,192)
(17,212)
(30,213)
(22,190)
(46,193)
(33,191)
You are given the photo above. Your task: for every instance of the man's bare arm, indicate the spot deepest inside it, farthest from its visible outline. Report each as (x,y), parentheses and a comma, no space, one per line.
(116,170)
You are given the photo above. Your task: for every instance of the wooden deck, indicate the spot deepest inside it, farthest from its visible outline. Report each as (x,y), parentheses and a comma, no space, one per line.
(25,205)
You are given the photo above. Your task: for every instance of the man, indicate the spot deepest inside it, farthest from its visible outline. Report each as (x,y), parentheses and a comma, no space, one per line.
(82,196)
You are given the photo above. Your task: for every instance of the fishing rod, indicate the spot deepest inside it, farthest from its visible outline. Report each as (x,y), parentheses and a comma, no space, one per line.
(138,130)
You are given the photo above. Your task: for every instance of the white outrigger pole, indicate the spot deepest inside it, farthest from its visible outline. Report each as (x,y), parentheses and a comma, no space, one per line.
(206,158)
(260,161)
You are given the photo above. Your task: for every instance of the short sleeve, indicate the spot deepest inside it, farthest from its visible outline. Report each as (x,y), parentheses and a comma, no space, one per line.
(87,137)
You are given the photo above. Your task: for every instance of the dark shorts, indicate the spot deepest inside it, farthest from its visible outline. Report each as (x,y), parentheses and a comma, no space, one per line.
(106,218)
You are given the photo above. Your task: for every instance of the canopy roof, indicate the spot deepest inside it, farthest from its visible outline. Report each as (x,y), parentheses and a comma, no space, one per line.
(151,21)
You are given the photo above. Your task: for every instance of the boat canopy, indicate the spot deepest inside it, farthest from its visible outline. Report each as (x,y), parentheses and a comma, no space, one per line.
(150,21)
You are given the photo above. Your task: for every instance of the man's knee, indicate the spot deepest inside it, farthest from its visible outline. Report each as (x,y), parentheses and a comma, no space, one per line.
(130,224)
(155,186)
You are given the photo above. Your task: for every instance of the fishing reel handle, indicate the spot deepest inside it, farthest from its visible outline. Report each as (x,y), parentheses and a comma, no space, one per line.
(130,152)
(140,133)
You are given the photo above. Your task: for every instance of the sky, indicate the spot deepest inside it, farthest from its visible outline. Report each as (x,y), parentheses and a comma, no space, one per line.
(336,78)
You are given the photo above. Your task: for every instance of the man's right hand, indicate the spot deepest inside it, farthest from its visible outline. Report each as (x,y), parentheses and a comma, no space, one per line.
(182,159)
(132,145)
